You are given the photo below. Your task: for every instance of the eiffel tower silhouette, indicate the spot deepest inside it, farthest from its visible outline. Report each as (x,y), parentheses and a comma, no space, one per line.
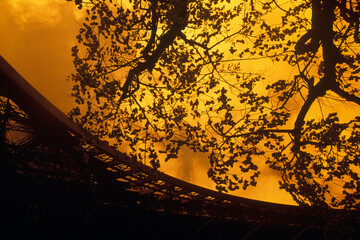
(60,182)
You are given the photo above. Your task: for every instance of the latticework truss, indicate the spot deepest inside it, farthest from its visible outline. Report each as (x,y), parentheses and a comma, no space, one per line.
(40,144)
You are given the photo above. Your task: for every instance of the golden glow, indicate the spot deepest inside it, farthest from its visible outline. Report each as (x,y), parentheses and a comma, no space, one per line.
(32,11)
(36,39)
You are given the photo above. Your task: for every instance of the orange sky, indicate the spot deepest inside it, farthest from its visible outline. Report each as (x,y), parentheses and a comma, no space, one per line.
(36,38)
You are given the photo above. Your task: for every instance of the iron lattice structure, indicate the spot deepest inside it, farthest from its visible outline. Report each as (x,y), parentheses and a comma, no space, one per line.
(54,174)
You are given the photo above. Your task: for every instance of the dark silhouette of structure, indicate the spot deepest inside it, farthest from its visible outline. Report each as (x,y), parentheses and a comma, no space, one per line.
(58,182)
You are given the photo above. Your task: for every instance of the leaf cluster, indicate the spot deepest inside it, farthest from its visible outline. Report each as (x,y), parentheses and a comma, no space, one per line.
(155,76)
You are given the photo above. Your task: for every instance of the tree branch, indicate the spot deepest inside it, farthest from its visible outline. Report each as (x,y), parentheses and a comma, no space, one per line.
(192,42)
(323,19)
(279,6)
(347,96)
(165,41)
(154,21)
(261,131)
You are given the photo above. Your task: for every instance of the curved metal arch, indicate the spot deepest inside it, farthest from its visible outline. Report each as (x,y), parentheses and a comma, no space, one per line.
(123,176)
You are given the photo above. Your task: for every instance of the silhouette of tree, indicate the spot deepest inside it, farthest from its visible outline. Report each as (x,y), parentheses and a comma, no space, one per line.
(160,75)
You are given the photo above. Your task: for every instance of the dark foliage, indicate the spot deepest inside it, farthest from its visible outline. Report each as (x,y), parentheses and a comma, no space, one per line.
(159,75)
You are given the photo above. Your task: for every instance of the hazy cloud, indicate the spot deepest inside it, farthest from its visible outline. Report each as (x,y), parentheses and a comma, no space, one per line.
(36,39)
(31,11)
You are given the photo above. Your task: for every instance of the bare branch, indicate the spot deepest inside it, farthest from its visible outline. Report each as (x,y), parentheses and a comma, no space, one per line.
(347,96)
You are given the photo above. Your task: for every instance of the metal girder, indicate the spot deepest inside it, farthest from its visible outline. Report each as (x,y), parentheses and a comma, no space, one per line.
(115,174)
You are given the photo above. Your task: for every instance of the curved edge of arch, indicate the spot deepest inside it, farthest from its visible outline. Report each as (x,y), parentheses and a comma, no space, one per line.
(45,114)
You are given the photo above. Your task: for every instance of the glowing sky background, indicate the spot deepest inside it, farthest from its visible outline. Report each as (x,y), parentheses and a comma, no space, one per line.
(36,37)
